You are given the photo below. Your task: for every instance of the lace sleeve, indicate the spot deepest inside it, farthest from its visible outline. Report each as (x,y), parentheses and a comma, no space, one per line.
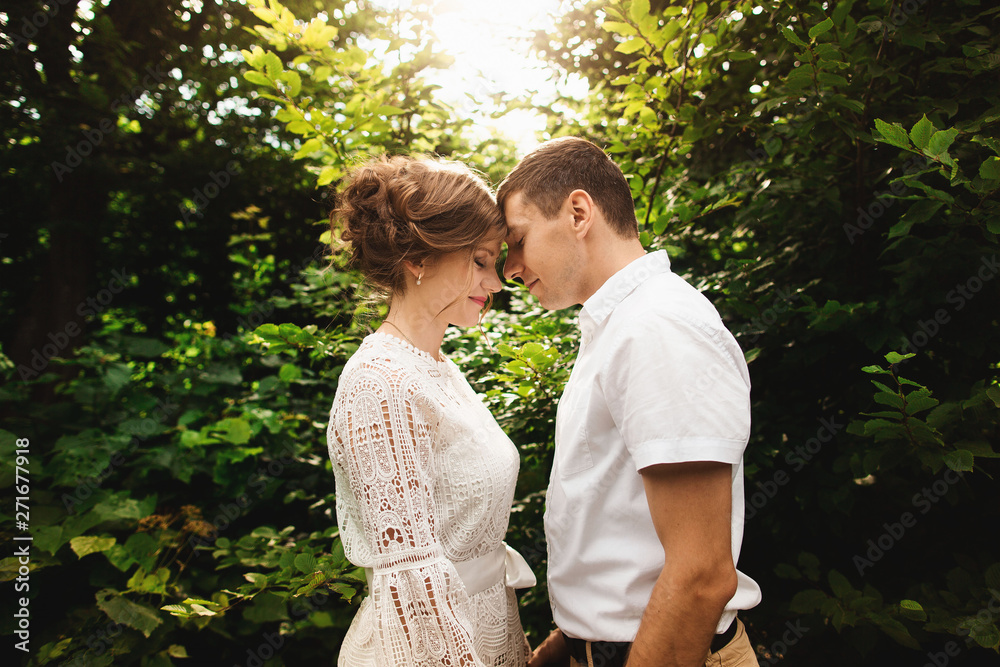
(386,431)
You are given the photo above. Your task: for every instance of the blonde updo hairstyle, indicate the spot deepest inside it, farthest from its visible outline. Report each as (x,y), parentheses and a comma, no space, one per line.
(400,208)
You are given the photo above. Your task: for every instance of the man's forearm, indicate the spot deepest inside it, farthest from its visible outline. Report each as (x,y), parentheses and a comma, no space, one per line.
(679,622)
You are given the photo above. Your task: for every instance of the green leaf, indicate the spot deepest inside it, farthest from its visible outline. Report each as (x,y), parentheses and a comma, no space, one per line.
(122,610)
(940,141)
(790,35)
(638,9)
(268,332)
(308,148)
(177,651)
(192,607)
(252,58)
(618,27)
(896,357)
(631,46)
(255,77)
(90,544)
(288,331)
(960,460)
(922,132)
(119,505)
(517,367)
(993,393)
(881,429)
(889,398)
(144,347)
(266,607)
(294,82)
(346,591)
(234,430)
(896,631)
(839,584)
(143,549)
(289,373)
(943,414)
(786,571)
(117,376)
(326,176)
(919,401)
(921,211)
(989,170)
(272,65)
(992,576)
(892,133)
(989,142)
(258,579)
(841,11)
(985,634)
(300,127)
(808,601)
(830,79)
(911,609)
(306,563)
(48,538)
(820,28)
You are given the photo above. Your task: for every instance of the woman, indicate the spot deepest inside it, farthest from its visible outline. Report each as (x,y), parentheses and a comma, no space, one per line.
(425,476)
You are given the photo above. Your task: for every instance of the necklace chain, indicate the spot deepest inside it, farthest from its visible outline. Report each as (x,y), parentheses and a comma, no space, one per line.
(394,326)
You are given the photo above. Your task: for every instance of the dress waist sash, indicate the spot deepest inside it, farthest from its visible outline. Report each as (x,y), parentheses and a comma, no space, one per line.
(503,563)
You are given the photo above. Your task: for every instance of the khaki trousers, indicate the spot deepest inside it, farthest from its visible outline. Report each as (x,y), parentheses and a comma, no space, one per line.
(737,653)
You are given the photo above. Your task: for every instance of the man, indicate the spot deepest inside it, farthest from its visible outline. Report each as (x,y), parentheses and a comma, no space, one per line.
(644,512)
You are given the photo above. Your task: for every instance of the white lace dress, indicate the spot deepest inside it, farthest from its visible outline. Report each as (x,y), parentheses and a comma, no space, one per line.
(425,479)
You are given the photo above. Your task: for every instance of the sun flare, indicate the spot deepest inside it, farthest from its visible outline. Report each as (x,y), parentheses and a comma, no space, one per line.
(491,44)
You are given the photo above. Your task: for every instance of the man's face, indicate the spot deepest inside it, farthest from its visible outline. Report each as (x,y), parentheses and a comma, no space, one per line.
(542,252)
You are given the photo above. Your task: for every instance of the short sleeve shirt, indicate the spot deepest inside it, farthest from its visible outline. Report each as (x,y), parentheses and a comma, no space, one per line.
(658,379)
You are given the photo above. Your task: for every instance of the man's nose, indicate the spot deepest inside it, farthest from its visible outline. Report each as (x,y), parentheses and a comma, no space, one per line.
(512,265)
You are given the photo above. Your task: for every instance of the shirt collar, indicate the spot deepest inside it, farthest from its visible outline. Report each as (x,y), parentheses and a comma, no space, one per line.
(598,307)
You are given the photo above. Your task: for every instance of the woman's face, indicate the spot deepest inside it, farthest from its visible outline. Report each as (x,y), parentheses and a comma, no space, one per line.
(457,288)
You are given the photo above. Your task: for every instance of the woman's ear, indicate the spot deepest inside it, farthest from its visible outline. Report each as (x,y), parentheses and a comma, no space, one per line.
(416,269)
(412,268)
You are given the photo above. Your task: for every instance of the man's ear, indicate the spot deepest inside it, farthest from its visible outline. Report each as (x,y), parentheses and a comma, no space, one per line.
(583,210)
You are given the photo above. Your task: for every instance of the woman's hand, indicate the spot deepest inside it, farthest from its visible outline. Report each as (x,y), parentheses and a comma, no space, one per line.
(552,652)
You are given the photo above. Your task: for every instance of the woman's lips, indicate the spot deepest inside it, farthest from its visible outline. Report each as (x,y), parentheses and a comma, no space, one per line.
(533,283)
(480,300)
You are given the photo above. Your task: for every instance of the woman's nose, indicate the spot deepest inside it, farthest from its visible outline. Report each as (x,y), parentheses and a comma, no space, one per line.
(492,283)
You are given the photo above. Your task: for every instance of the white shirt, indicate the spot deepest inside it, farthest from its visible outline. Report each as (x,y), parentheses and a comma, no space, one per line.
(658,379)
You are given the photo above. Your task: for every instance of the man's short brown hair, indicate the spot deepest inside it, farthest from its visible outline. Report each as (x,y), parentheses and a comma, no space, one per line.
(548,174)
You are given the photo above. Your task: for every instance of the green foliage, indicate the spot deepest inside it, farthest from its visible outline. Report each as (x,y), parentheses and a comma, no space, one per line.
(211,548)
(340,99)
(827,174)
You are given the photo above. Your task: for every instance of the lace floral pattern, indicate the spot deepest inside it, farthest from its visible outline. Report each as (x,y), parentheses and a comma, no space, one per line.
(425,479)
